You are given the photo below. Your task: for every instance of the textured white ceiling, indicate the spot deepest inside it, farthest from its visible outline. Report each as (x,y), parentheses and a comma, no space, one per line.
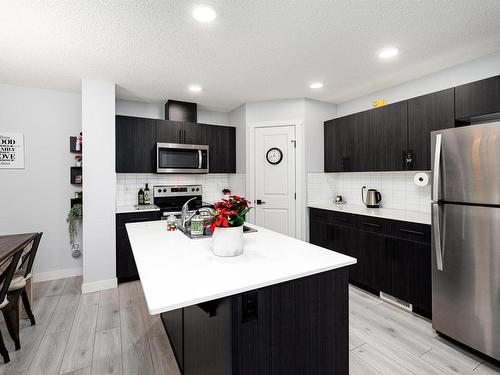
(255,50)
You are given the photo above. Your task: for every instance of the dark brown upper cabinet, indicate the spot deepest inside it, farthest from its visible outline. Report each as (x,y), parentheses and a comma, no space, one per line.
(135,141)
(194,133)
(348,143)
(222,152)
(480,98)
(169,131)
(390,132)
(425,114)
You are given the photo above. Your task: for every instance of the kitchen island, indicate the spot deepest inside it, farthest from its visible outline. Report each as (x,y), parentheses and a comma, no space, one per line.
(279,308)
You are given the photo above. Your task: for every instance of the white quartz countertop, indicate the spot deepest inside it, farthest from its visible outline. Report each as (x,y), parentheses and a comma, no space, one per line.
(132,208)
(176,271)
(386,213)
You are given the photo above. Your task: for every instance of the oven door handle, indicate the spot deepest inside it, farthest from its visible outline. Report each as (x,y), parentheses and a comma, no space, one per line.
(200,159)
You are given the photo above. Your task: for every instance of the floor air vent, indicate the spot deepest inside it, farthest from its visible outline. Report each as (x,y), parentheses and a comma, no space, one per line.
(396,302)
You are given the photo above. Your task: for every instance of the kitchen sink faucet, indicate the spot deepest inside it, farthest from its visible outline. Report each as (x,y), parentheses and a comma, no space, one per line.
(186,216)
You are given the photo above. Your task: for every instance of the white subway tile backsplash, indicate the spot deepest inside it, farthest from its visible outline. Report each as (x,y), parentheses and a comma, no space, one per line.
(397,189)
(128,184)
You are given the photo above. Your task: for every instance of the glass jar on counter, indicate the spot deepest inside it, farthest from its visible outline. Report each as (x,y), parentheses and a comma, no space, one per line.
(171,223)
(197,225)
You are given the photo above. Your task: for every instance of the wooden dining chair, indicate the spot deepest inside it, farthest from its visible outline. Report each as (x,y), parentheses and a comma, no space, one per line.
(17,288)
(7,270)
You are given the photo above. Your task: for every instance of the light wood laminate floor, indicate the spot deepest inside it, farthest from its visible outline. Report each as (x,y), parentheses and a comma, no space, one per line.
(111,332)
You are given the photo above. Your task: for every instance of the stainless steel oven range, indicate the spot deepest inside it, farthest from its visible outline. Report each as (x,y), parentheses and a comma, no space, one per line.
(171,198)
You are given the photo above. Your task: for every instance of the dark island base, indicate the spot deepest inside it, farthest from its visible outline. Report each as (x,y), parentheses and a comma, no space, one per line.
(300,327)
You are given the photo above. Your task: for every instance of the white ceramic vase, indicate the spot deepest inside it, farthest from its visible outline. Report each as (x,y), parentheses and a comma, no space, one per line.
(228,242)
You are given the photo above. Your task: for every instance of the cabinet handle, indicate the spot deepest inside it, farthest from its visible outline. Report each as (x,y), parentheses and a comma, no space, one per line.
(412,232)
(184,139)
(371,224)
(180,136)
(409,159)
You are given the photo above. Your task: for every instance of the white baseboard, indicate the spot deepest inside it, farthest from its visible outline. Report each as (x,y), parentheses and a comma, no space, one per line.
(59,274)
(97,286)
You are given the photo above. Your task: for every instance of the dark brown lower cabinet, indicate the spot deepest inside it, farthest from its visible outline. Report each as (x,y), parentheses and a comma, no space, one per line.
(299,327)
(126,270)
(393,257)
(411,274)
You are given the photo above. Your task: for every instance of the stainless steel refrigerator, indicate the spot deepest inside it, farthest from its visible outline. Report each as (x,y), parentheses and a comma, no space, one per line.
(466,235)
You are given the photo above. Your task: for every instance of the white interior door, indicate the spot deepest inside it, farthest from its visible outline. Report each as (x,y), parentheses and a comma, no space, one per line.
(275,178)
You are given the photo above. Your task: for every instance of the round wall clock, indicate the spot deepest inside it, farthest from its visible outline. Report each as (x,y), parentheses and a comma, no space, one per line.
(274,156)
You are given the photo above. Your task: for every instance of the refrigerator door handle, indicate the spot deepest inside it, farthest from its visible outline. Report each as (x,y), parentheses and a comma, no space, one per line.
(436,225)
(437,164)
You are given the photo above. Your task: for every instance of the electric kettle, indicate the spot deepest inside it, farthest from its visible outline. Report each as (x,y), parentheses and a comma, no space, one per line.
(373,198)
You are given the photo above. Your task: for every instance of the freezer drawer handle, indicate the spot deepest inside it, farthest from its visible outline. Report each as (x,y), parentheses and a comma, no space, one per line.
(437,236)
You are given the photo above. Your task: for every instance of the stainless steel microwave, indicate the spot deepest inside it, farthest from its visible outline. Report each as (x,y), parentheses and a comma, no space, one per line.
(181,158)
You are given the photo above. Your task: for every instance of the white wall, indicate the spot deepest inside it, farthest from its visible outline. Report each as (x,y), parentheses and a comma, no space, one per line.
(316,113)
(140,109)
(37,198)
(99,185)
(157,111)
(458,75)
(213,117)
(238,118)
(275,110)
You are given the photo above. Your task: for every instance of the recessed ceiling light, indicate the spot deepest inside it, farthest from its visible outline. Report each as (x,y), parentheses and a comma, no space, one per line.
(194,88)
(316,85)
(204,13)
(388,52)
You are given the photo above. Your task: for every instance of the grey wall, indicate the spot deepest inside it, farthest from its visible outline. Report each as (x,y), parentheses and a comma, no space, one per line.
(237,117)
(139,109)
(315,114)
(157,111)
(99,185)
(213,117)
(458,75)
(37,198)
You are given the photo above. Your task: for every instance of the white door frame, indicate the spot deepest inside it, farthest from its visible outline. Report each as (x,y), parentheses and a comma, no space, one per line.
(299,168)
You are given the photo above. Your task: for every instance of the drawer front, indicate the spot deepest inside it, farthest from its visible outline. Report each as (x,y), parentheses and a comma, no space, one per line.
(316,214)
(136,217)
(341,218)
(374,224)
(411,231)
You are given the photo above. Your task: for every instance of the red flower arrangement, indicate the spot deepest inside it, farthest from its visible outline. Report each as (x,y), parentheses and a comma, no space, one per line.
(229,212)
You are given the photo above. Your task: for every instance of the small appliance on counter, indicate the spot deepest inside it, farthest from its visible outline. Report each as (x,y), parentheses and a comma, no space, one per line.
(373,198)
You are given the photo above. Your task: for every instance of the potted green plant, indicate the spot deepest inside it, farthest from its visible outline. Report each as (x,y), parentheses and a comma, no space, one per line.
(74,217)
(227,226)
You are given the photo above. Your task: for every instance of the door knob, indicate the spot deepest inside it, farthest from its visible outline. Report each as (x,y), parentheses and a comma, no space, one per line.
(260,202)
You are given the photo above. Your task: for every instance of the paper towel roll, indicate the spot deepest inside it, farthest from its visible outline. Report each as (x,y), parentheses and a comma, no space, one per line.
(421,179)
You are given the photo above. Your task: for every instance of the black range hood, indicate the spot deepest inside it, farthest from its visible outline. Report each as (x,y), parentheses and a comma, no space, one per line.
(181,111)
